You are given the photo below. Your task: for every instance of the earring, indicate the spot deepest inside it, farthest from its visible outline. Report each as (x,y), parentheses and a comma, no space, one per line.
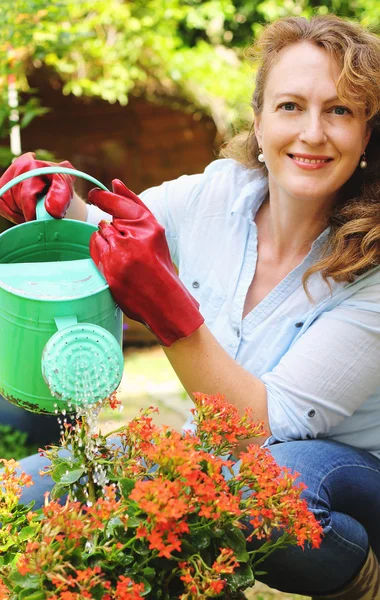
(363,161)
(260,157)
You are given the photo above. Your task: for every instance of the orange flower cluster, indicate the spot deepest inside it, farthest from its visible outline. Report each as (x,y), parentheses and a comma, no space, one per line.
(126,589)
(114,402)
(4,592)
(105,508)
(86,580)
(136,439)
(273,500)
(188,481)
(69,525)
(207,583)
(175,512)
(11,483)
(220,425)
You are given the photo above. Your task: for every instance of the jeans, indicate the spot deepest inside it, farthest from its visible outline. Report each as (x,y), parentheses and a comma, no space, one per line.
(344,494)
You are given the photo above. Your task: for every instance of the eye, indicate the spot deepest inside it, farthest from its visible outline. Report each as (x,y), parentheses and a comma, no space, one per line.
(341,110)
(288,106)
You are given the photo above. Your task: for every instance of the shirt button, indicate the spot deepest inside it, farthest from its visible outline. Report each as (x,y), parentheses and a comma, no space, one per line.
(311,413)
(238,332)
(195,284)
(299,324)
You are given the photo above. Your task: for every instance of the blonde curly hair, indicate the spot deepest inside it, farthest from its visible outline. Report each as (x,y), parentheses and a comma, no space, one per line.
(353,246)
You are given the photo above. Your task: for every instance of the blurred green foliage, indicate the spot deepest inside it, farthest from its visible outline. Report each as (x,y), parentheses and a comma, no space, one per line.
(14,443)
(186,52)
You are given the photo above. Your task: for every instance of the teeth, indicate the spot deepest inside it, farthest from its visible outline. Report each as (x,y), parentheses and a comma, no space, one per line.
(311,161)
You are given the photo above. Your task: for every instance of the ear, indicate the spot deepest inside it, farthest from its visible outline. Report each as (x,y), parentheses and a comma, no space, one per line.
(257,129)
(367,136)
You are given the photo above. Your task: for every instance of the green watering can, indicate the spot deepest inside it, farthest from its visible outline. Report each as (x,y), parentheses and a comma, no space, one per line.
(60,329)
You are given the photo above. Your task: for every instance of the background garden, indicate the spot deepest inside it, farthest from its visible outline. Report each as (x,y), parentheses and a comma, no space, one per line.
(142,90)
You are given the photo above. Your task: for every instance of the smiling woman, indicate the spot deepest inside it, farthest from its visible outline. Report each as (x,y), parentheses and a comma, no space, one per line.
(277,303)
(325,75)
(304,128)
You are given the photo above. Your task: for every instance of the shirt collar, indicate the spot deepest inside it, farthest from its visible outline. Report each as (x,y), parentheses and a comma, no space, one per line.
(253,195)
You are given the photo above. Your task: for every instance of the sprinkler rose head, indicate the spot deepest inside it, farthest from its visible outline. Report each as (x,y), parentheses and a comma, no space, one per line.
(82,364)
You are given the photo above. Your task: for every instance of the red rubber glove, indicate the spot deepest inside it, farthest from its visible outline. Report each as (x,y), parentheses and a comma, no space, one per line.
(19,203)
(134,258)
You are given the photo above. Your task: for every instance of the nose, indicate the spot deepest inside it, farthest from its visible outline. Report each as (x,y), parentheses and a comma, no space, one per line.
(313,131)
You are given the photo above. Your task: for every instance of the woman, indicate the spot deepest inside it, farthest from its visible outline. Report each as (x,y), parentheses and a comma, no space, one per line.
(279,243)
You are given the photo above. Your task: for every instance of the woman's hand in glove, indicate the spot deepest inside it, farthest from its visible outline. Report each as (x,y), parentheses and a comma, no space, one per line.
(19,203)
(134,258)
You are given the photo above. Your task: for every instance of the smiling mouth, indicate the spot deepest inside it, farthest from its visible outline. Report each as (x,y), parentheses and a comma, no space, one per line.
(310,161)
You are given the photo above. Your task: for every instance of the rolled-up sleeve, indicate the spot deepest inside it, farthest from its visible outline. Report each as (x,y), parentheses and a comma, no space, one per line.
(328,372)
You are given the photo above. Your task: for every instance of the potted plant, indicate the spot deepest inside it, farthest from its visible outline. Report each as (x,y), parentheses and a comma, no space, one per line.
(150,513)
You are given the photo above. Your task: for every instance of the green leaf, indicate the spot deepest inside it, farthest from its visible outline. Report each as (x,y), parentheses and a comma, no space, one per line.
(71,476)
(8,544)
(200,539)
(122,534)
(147,586)
(25,533)
(149,573)
(115,527)
(241,579)
(134,521)
(32,595)
(11,558)
(218,533)
(141,547)
(234,539)
(27,581)
(187,548)
(126,486)
(76,557)
(58,491)
(59,471)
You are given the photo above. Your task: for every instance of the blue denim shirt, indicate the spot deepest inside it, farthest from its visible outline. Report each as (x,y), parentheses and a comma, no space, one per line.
(320,360)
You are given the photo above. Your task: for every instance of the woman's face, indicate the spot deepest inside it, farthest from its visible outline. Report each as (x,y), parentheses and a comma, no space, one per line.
(312,143)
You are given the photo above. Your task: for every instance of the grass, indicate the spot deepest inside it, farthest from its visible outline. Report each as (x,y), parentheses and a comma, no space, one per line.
(149,380)
(261,592)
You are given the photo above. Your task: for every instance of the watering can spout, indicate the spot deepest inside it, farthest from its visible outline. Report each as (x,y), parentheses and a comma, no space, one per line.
(81,363)
(57,315)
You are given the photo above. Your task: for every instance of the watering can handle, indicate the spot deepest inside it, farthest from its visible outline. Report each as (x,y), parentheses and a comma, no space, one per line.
(41,211)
